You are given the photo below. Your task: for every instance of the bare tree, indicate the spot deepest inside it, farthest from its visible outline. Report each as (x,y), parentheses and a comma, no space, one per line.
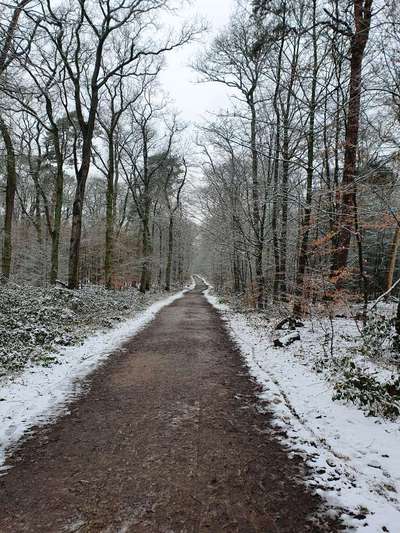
(118,100)
(173,185)
(362,16)
(82,35)
(238,59)
(11,186)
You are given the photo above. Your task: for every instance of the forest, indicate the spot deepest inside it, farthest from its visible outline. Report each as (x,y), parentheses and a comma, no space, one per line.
(283,207)
(297,197)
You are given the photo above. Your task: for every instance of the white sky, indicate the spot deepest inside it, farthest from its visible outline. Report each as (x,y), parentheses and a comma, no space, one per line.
(191,99)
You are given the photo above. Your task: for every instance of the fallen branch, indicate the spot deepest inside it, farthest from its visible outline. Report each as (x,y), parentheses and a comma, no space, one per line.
(383,296)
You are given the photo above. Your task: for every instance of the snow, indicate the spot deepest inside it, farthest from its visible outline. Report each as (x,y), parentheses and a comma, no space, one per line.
(354,459)
(38,395)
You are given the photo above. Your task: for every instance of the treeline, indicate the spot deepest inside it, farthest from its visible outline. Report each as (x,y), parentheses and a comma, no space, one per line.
(93,165)
(301,199)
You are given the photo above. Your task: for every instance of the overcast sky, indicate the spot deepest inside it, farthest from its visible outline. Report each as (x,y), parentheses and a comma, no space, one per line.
(193,100)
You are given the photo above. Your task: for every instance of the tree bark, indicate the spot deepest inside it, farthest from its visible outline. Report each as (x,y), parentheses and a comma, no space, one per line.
(145,279)
(305,225)
(77,208)
(284,206)
(345,223)
(257,222)
(110,193)
(286,167)
(393,251)
(9,35)
(11,185)
(56,230)
(276,173)
(170,253)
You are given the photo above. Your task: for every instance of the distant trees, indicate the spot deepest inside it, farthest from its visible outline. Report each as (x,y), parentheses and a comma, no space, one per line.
(238,59)
(174,181)
(10,48)
(320,145)
(299,197)
(80,73)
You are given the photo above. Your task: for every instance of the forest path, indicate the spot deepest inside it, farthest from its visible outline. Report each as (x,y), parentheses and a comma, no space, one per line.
(168,438)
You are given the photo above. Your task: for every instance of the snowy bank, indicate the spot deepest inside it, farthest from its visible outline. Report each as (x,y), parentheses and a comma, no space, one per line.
(354,459)
(38,394)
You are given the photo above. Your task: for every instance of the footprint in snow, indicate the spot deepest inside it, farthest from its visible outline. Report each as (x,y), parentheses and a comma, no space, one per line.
(10,430)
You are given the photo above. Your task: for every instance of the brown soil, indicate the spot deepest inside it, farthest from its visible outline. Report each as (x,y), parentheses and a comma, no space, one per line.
(169,437)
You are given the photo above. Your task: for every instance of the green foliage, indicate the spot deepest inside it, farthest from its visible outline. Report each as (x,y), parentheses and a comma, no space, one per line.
(371,395)
(35,322)
(377,335)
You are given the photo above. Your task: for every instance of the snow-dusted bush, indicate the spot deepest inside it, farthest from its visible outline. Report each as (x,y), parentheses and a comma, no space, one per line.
(35,321)
(377,337)
(375,396)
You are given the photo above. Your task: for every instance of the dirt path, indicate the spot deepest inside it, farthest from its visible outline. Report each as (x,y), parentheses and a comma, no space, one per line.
(167,439)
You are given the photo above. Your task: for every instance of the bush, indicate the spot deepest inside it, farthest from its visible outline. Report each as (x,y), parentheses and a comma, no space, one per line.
(377,336)
(35,322)
(375,397)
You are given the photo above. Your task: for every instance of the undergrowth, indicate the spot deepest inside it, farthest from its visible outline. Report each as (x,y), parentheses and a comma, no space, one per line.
(36,322)
(375,396)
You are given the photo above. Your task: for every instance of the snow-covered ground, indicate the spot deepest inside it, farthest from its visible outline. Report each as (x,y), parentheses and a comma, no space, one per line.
(38,394)
(354,459)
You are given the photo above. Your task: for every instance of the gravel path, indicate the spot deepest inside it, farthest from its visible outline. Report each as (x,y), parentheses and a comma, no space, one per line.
(167,438)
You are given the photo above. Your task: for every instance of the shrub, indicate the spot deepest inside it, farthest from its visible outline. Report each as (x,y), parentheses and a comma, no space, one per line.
(375,397)
(35,322)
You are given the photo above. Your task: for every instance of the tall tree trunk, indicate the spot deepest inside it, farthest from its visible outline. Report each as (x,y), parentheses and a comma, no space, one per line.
(145,278)
(170,253)
(11,185)
(286,167)
(160,255)
(284,207)
(277,164)
(56,229)
(235,250)
(345,223)
(305,225)
(274,219)
(276,172)
(5,52)
(363,275)
(81,178)
(40,260)
(393,251)
(76,230)
(110,193)
(257,222)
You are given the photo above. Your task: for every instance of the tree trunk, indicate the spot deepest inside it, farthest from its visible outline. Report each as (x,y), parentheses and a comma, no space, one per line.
(274,219)
(9,33)
(110,193)
(345,223)
(305,226)
(284,208)
(87,130)
(170,253)
(363,276)
(160,256)
(394,248)
(257,222)
(145,278)
(285,169)
(56,230)
(76,230)
(11,185)
(276,172)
